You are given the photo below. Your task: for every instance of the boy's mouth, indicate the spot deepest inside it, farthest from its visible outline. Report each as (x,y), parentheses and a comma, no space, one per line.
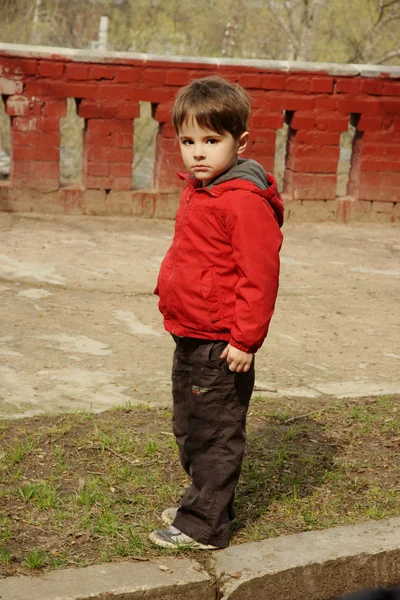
(200,168)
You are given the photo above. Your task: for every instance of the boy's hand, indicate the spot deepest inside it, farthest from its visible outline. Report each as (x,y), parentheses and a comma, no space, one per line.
(237,360)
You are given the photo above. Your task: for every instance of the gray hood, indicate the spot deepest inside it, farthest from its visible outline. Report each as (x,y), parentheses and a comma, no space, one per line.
(247,169)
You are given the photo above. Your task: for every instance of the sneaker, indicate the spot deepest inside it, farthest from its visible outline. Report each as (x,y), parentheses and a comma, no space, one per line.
(174,538)
(168,515)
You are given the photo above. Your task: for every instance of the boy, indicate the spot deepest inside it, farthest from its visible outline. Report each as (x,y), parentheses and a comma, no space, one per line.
(217,287)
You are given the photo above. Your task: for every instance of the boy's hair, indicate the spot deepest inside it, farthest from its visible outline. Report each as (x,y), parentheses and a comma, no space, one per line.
(215,104)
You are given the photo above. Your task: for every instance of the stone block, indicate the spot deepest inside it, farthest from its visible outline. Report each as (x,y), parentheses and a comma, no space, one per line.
(317,565)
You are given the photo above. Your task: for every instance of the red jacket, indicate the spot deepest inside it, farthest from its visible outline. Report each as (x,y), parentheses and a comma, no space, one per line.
(219,279)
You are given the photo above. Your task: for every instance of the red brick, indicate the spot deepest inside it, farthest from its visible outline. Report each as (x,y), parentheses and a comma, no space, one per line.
(274,82)
(153,76)
(321,85)
(54,108)
(382,136)
(311,186)
(77,71)
(298,83)
(268,162)
(178,77)
(259,100)
(262,149)
(374,164)
(332,122)
(37,169)
(263,135)
(154,95)
(382,150)
(391,88)
(110,154)
(36,124)
(109,125)
(37,88)
(46,124)
(347,86)
(163,113)
(251,80)
(303,120)
(121,140)
(368,106)
(121,169)
(121,183)
(93,138)
(34,138)
(69,89)
(102,72)
(312,164)
(108,183)
(114,91)
(51,69)
(267,121)
(18,66)
(369,123)
(168,145)
(391,106)
(168,130)
(128,74)
(305,151)
(98,169)
(318,138)
(36,153)
(371,86)
(326,103)
(287,101)
(107,109)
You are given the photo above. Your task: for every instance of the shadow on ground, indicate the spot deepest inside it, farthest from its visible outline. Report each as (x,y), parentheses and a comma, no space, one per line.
(283,460)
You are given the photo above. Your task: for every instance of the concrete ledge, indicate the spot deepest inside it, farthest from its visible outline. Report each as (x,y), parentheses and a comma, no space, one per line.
(168,579)
(51,52)
(317,565)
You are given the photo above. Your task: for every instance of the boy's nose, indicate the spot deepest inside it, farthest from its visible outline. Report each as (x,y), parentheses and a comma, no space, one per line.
(198,153)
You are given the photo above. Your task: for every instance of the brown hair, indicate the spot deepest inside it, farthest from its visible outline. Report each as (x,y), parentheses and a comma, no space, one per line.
(215,104)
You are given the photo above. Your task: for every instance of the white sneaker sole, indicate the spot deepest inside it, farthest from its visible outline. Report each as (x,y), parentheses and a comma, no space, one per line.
(193,545)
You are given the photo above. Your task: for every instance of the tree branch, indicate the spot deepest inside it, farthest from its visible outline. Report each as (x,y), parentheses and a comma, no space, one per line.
(387,56)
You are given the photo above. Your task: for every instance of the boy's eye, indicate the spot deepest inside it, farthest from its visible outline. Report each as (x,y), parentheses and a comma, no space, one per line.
(186,142)
(212,141)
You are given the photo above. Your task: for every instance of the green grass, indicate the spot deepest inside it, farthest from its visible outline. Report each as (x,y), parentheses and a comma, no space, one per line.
(94,485)
(5,555)
(35,559)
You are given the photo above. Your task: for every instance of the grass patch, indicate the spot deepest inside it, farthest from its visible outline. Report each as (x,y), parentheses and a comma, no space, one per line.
(82,488)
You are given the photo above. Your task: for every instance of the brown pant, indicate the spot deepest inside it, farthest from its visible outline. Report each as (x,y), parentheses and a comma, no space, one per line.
(209,418)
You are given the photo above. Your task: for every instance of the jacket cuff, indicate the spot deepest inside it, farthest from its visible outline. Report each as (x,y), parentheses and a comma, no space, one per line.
(242,347)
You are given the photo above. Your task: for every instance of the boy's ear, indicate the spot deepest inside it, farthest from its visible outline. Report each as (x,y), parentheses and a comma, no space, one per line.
(242,142)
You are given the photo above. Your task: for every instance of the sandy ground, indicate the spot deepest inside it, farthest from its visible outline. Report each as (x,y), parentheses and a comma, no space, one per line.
(80,328)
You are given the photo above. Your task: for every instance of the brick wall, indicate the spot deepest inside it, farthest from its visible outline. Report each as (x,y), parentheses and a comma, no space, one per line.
(316,101)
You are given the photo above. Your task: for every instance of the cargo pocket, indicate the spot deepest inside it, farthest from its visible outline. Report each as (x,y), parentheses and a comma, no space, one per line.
(211,295)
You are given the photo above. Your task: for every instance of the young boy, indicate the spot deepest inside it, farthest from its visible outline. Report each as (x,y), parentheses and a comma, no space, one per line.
(217,287)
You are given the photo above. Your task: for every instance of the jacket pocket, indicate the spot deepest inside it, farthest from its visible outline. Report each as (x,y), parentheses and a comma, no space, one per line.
(211,294)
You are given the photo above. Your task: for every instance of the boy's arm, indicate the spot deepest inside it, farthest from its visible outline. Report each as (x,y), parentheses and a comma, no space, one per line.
(256,240)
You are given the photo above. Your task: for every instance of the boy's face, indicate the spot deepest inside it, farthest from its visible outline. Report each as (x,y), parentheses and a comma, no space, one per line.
(207,154)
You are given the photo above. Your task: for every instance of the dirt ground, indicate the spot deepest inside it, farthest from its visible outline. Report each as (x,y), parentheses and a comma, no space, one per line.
(83,488)
(80,328)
